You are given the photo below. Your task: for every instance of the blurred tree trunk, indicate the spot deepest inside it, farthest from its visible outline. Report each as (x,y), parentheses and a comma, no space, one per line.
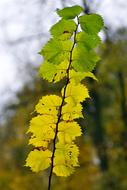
(98,133)
(123,107)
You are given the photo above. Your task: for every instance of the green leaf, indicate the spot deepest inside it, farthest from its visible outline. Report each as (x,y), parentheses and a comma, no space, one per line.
(91,24)
(84,60)
(70,12)
(56,51)
(63,29)
(53,73)
(89,41)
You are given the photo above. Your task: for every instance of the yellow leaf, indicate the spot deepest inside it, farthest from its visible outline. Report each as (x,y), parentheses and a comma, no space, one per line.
(42,131)
(76,93)
(71,111)
(39,142)
(68,131)
(40,128)
(61,71)
(66,157)
(63,170)
(39,160)
(49,105)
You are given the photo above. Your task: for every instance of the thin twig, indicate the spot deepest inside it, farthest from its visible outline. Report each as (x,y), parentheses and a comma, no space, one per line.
(60,110)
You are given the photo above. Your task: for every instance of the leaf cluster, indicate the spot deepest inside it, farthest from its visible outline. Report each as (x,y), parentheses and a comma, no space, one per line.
(69,54)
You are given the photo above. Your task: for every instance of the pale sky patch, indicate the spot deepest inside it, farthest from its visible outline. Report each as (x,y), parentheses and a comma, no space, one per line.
(18,18)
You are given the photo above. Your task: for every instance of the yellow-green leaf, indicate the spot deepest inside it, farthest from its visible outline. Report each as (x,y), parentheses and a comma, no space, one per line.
(56,51)
(53,73)
(77,77)
(92,23)
(88,40)
(83,59)
(70,12)
(63,29)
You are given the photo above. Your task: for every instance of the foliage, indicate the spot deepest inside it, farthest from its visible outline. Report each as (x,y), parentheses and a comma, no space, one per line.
(13,175)
(91,176)
(69,54)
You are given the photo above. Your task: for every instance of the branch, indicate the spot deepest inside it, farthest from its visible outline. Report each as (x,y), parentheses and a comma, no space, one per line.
(60,110)
(86,7)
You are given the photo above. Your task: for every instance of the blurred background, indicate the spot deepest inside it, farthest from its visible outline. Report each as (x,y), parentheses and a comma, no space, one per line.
(24,28)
